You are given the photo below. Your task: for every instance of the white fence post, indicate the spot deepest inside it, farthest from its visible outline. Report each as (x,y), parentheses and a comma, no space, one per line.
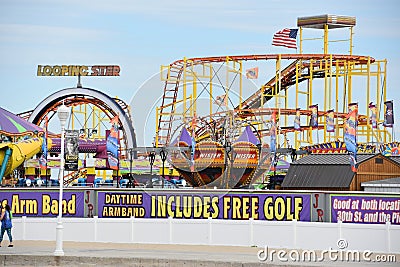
(210,221)
(339,224)
(294,225)
(132,229)
(388,236)
(23,227)
(170,229)
(251,221)
(95,218)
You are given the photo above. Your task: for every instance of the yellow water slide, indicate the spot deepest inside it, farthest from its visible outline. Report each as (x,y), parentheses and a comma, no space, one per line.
(13,155)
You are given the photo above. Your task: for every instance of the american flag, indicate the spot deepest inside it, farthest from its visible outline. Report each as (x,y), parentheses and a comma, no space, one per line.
(286,38)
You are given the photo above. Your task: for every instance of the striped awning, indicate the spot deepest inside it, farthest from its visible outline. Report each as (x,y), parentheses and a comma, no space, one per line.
(11,124)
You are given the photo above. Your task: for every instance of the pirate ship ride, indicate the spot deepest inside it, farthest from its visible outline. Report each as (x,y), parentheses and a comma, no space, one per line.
(224,163)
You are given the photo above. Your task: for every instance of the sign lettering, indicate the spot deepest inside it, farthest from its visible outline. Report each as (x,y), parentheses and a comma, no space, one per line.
(75,70)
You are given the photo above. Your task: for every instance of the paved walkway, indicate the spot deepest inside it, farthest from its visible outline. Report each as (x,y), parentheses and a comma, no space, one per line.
(40,253)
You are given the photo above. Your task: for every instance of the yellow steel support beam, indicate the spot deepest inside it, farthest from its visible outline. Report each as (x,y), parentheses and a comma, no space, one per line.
(368,100)
(296,141)
(184,88)
(301,40)
(384,99)
(194,98)
(326,98)
(157,130)
(211,90)
(241,85)
(309,100)
(350,84)
(325,38)
(337,98)
(351,41)
(278,100)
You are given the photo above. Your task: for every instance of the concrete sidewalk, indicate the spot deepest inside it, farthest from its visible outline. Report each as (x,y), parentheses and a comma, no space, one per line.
(40,253)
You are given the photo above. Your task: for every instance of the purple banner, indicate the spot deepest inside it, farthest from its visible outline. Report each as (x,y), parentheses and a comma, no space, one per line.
(296,122)
(373,121)
(330,121)
(314,116)
(365,209)
(272,132)
(201,205)
(43,203)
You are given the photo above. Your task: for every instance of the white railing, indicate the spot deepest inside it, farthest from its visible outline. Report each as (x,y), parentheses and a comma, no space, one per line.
(274,234)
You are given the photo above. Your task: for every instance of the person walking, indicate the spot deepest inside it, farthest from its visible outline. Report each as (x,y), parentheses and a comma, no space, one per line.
(6,224)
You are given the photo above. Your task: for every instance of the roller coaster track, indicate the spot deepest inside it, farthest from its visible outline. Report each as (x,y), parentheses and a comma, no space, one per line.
(168,101)
(124,106)
(244,113)
(287,75)
(111,107)
(171,87)
(79,100)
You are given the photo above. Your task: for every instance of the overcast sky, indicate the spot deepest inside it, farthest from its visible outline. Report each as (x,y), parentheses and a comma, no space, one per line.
(139,36)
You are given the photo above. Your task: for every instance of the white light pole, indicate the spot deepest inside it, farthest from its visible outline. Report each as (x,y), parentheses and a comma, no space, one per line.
(63,114)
